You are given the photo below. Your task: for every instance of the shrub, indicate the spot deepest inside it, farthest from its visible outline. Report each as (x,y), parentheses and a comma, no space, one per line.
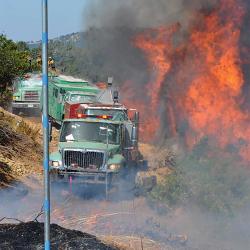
(213,179)
(171,191)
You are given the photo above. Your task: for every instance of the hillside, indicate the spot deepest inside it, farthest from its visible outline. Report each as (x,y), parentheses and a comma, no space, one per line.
(97,54)
(17,137)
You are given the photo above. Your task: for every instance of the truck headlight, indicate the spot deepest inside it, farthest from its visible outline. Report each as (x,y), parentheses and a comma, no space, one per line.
(114,167)
(55,164)
(15,98)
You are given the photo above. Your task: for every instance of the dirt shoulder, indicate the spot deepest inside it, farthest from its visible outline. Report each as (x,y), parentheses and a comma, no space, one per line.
(20,147)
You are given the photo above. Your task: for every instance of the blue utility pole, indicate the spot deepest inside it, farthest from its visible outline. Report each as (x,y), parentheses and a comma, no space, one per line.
(45,125)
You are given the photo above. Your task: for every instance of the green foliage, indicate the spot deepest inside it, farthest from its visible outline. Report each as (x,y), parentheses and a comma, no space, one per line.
(99,53)
(218,184)
(76,61)
(15,61)
(172,191)
(22,46)
(209,177)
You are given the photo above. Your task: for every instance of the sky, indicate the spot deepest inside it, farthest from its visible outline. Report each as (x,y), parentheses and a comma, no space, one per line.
(20,20)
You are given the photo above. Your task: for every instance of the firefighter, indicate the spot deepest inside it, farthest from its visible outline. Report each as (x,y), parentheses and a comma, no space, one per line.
(39,60)
(51,63)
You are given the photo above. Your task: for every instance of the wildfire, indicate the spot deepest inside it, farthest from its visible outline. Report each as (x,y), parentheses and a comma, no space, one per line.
(197,82)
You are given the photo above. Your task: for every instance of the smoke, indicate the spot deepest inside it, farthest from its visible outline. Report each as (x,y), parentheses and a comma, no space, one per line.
(142,13)
(115,24)
(112,26)
(126,218)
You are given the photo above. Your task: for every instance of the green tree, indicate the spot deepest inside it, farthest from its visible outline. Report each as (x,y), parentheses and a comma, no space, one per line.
(15,61)
(22,46)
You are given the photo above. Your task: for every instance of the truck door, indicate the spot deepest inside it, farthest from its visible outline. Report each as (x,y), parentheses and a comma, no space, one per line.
(53,95)
(64,98)
(59,105)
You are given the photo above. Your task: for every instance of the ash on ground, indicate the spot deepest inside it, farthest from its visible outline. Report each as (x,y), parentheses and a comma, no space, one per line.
(30,236)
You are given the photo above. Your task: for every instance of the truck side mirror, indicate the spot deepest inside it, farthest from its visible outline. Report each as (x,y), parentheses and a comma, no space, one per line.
(50,131)
(62,91)
(135,130)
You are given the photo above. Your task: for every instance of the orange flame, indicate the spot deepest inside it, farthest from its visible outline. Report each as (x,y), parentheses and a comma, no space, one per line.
(199,80)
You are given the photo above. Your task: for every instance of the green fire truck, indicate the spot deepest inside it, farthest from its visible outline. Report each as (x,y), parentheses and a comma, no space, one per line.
(96,151)
(26,93)
(67,89)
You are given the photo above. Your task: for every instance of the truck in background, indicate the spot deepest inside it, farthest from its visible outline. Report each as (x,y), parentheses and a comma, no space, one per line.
(62,89)
(27,93)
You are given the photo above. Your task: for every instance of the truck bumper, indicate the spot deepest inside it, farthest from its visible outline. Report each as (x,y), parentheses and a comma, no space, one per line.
(25,105)
(83,177)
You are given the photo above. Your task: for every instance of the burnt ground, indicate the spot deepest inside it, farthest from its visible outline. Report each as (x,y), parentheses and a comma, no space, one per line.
(30,236)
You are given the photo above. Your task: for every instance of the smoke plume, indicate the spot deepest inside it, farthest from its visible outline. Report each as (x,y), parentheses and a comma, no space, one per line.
(142,13)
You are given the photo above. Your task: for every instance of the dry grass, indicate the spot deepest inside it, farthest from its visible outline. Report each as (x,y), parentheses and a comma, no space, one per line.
(158,157)
(20,147)
(124,242)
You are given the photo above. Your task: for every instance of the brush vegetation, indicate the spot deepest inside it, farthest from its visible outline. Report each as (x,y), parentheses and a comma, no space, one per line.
(215,180)
(17,138)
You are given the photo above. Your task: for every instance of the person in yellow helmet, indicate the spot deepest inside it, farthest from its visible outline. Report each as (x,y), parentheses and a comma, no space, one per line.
(39,60)
(51,63)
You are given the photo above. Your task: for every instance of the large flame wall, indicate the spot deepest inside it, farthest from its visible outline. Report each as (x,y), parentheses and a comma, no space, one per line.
(196,80)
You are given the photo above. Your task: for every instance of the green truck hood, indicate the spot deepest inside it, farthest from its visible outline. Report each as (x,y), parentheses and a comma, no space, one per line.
(114,156)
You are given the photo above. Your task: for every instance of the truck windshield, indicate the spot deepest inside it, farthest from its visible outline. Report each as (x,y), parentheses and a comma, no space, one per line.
(90,131)
(82,98)
(32,83)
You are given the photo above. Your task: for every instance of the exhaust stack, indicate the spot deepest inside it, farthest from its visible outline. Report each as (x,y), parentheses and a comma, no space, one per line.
(135,130)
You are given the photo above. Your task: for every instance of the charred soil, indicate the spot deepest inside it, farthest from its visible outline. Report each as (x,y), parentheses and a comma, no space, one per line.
(30,236)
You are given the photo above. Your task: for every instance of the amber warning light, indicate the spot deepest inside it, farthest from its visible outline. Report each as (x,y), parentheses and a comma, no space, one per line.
(83,116)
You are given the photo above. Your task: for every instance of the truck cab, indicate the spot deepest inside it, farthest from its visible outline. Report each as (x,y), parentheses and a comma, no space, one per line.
(27,93)
(95,151)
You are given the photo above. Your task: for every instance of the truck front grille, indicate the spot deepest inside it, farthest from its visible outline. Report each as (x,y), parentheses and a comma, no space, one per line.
(83,159)
(31,96)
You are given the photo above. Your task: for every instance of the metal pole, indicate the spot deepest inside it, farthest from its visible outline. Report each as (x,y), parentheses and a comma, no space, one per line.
(45,125)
